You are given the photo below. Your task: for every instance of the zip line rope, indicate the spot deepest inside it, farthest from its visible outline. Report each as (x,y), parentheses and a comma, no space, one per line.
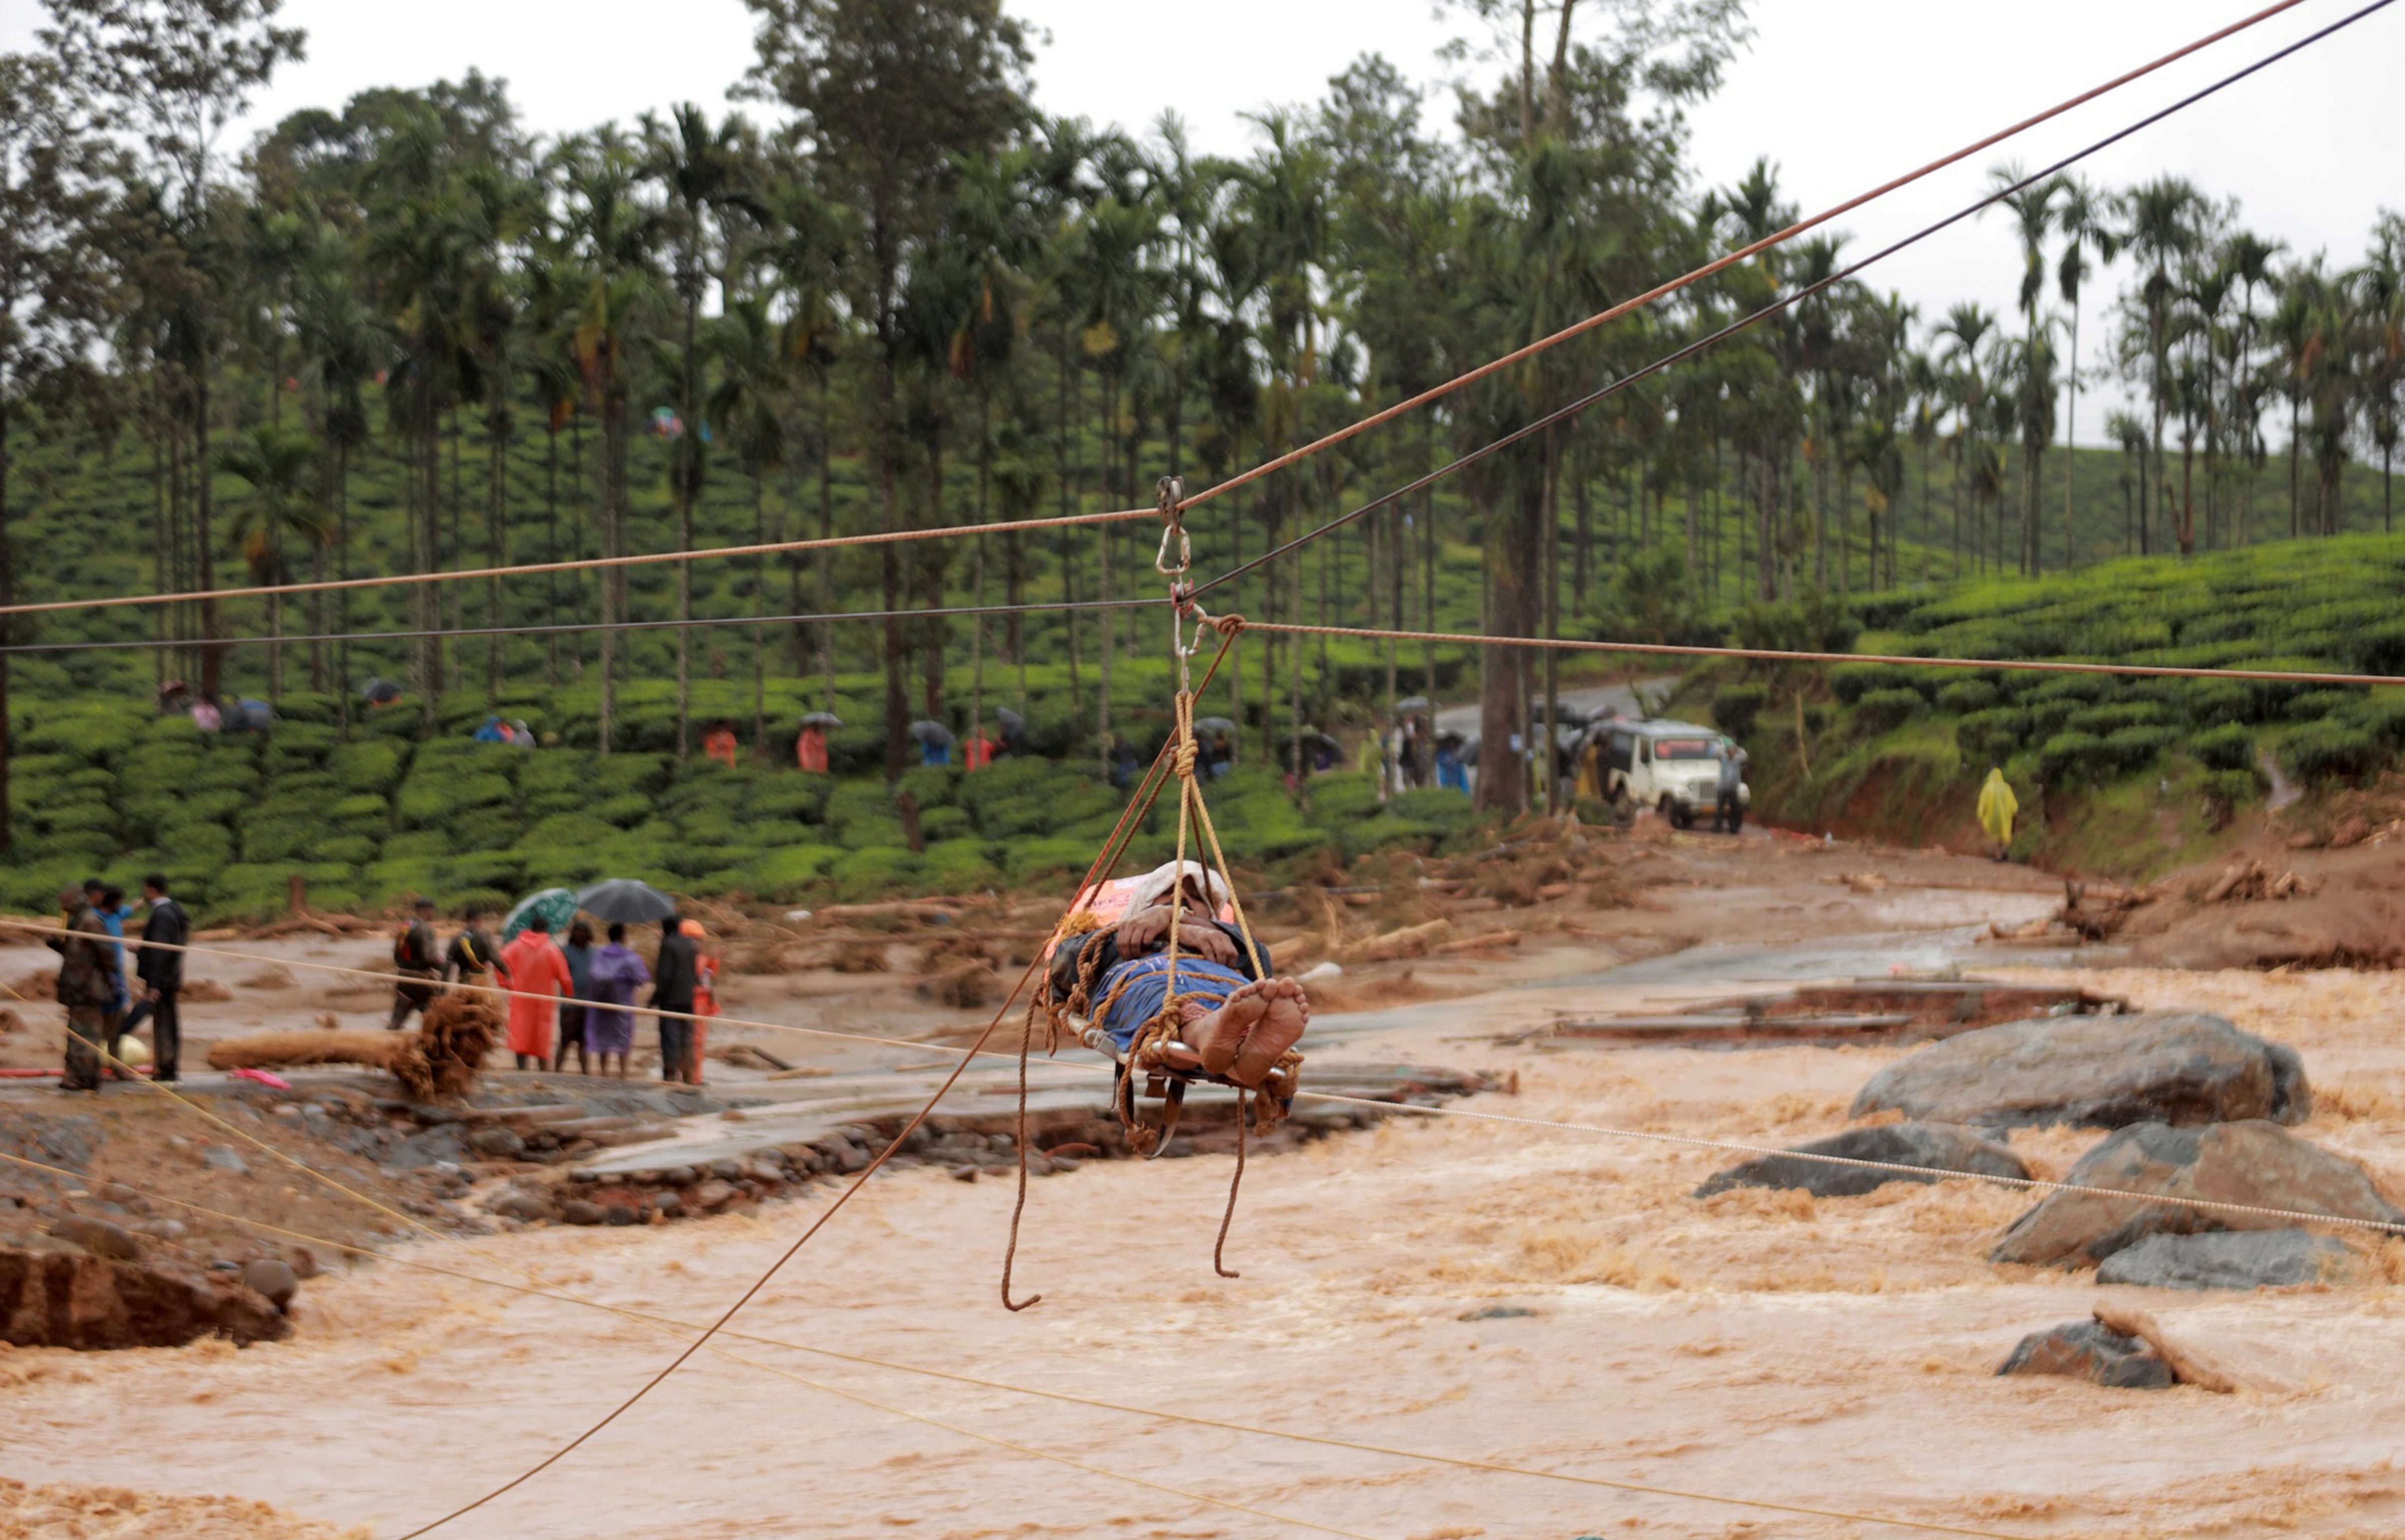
(649,558)
(667,1325)
(537,1290)
(1083,1067)
(1316,446)
(570,627)
(1744,323)
(1730,259)
(1112,848)
(1772,654)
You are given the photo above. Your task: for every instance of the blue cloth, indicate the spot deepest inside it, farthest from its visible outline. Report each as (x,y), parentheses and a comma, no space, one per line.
(492,732)
(935,755)
(1213,981)
(1451,773)
(113,921)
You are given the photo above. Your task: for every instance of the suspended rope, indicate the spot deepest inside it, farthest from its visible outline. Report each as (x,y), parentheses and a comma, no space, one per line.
(1291,456)
(1614,387)
(537,1290)
(827,616)
(1773,654)
(585,563)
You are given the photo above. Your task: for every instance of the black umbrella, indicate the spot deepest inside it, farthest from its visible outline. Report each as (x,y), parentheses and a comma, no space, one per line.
(1469,747)
(380,691)
(1012,722)
(625,901)
(822,719)
(933,731)
(1410,703)
(1215,724)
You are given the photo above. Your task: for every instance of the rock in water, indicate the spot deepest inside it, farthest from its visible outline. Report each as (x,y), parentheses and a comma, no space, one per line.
(272,1281)
(98,1236)
(2084,1350)
(51,1299)
(2254,1259)
(1941,1148)
(2176,1067)
(2254,1162)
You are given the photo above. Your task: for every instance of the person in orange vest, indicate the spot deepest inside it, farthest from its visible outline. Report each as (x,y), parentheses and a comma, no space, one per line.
(533,966)
(719,744)
(705,995)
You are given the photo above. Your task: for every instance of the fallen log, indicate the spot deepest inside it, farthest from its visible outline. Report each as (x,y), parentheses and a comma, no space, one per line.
(1488,942)
(1395,946)
(2188,1365)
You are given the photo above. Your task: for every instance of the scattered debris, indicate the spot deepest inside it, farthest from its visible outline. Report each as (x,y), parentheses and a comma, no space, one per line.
(2250,881)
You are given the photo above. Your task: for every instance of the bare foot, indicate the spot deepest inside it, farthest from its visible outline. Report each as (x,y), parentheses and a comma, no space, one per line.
(1244,1036)
(1279,1029)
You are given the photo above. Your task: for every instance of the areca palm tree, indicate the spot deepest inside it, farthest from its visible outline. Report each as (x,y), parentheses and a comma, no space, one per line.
(1964,334)
(2086,231)
(614,239)
(2165,226)
(280,469)
(748,407)
(703,171)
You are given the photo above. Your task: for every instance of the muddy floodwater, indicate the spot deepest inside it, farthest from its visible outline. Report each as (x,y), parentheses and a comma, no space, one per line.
(1554,1301)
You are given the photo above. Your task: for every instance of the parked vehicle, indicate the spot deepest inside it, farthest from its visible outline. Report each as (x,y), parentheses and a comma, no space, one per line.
(1672,767)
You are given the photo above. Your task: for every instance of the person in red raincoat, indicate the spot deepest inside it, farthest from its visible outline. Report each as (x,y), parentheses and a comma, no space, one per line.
(810,750)
(535,966)
(719,744)
(705,995)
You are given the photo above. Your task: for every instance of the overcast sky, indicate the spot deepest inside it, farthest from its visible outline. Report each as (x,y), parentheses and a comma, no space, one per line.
(1841,93)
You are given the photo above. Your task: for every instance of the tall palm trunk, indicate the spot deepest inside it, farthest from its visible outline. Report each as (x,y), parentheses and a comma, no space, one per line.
(682,475)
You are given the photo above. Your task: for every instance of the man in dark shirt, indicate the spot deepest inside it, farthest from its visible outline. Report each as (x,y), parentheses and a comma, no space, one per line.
(162,972)
(84,988)
(416,958)
(674,978)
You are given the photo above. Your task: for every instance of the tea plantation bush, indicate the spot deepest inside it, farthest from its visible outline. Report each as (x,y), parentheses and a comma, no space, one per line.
(379,817)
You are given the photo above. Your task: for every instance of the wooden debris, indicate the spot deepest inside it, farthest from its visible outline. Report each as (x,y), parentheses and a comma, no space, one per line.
(1488,942)
(1414,941)
(2247,881)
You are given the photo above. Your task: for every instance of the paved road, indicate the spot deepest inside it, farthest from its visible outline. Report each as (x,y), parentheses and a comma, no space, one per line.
(1594,698)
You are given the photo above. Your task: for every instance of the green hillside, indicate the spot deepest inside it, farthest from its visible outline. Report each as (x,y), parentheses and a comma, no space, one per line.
(2114,775)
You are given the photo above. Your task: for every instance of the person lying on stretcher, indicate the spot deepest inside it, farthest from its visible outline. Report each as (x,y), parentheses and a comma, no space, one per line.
(1237,1022)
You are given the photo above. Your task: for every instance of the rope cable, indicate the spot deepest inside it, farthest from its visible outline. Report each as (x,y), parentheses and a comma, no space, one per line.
(1008,1387)
(1754,318)
(1316,446)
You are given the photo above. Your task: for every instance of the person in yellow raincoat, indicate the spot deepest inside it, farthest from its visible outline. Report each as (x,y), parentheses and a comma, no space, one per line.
(1997,808)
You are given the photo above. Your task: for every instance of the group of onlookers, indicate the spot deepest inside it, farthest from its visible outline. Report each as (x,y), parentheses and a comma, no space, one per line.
(92,985)
(579,997)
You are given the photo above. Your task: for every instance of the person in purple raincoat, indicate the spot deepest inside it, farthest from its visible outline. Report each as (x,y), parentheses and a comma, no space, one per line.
(617,974)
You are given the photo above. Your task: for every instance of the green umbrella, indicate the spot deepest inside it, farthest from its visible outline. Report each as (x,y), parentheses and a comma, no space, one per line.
(555,904)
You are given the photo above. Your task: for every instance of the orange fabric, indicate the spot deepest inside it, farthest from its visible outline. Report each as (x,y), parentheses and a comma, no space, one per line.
(533,963)
(705,995)
(810,750)
(978,753)
(719,744)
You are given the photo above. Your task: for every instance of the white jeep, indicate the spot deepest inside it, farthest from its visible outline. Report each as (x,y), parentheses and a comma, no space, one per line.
(1673,768)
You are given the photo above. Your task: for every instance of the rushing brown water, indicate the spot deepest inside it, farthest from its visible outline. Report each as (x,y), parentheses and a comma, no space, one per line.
(1835,1354)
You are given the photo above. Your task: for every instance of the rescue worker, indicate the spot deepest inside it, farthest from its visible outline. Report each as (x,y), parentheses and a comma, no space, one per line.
(84,988)
(416,959)
(471,958)
(675,978)
(535,967)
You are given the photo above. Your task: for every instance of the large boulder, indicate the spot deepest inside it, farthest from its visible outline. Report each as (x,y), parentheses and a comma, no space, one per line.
(1941,1149)
(59,1299)
(2177,1067)
(2233,1259)
(2087,1349)
(2256,1162)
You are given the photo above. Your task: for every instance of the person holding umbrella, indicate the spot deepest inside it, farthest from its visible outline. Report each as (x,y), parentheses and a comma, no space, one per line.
(935,742)
(810,748)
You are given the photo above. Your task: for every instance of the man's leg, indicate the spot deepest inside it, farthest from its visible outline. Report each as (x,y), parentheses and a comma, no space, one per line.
(1243,1037)
(85,1027)
(167,1036)
(676,1041)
